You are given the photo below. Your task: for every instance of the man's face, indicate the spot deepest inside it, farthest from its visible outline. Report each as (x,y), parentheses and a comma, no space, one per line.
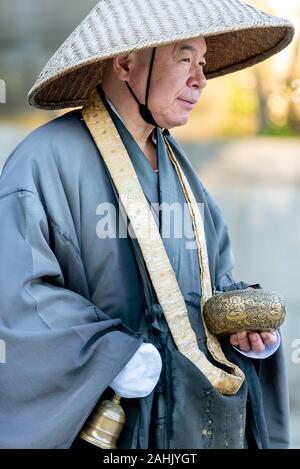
(177,80)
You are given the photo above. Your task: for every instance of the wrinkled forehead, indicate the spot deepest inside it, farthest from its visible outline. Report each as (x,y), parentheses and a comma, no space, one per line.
(197,44)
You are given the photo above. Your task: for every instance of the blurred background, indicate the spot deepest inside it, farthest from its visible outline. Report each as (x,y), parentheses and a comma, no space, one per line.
(243,139)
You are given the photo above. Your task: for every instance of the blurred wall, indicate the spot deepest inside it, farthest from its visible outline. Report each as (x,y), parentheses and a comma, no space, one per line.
(30,32)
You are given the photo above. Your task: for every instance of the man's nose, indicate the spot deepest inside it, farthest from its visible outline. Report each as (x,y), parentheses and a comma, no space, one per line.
(198,79)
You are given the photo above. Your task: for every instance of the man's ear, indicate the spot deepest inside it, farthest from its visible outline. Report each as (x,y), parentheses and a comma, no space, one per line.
(122,65)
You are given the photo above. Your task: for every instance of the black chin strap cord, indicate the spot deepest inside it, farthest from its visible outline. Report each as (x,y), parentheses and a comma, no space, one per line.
(143,108)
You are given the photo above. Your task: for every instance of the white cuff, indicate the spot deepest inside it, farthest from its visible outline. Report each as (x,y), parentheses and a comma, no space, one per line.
(140,375)
(269,350)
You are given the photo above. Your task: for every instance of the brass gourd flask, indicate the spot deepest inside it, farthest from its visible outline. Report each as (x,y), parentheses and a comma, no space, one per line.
(105,424)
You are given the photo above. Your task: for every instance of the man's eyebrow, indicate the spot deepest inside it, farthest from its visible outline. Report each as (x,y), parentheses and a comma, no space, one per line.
(184,47)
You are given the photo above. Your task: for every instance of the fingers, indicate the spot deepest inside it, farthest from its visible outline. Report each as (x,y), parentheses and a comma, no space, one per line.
(269,338)
(244,343)
(253,341)
(233,339)
(257,344)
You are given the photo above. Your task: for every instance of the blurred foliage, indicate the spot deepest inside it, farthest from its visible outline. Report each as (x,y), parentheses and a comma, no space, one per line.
(263,100)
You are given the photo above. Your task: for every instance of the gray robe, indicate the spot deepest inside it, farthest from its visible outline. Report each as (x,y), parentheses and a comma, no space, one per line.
(71,304)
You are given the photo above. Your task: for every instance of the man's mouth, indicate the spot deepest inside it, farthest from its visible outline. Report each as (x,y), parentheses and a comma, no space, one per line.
(188,103)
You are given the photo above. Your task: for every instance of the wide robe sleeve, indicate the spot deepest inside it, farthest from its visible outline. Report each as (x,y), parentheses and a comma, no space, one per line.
(272,370)
(61,350)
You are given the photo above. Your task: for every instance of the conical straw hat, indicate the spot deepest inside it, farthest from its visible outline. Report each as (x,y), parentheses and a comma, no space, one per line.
(237,37)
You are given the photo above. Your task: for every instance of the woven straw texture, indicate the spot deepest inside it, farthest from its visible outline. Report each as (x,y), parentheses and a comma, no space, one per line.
(237,36)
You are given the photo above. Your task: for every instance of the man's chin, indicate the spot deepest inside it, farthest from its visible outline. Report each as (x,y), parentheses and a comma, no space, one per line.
(177,122)
(181,121)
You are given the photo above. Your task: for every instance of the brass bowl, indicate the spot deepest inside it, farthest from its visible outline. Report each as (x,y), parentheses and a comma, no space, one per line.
(244,310)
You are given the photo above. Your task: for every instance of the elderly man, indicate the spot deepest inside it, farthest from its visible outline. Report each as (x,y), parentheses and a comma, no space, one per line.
(85,310)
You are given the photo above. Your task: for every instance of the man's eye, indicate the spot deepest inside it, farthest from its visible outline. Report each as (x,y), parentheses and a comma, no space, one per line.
(187,60)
